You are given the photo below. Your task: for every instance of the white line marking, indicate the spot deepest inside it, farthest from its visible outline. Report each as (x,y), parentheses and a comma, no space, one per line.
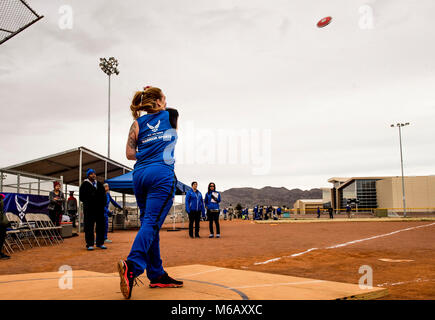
(301,253)
(278,284)
(404,282)
(268,261)
(395,260)
(346,243)
(376,237)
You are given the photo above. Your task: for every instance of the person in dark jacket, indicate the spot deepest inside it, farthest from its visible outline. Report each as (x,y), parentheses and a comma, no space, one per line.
(93,196)
(331,213)
(211,202)
(348,211)
(195,208)
(71,206)
(260,213)
(4,223)
(56,205)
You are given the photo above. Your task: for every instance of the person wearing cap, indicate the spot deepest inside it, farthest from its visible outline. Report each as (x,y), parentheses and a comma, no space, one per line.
(107,212)
(56,205)
(4,223)
(93,196)
(71,206)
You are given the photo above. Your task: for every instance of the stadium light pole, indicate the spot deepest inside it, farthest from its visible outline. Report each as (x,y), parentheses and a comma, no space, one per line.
(400,125)
(109,67)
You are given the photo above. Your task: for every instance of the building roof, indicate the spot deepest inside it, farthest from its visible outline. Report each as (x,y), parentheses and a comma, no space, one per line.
(346,181)
(337,179)
(67,165)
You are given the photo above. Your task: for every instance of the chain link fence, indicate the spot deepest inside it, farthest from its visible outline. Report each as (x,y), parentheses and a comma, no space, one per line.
(15,16)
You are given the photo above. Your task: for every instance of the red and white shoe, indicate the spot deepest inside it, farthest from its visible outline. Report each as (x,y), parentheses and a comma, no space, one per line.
(127,278)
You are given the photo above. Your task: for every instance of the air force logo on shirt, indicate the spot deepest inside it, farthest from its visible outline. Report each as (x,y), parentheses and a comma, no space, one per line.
(154,128)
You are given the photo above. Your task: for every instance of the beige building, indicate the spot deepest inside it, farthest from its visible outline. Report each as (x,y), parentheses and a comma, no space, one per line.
(304,206)
(419,193)
(383,192)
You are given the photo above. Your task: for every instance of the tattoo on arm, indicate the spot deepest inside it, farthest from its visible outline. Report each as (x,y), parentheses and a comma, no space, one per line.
(132,141)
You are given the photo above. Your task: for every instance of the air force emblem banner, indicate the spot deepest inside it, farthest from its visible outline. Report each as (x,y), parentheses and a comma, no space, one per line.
(20,204)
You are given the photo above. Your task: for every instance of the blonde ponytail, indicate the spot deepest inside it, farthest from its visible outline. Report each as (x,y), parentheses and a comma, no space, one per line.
(145,101)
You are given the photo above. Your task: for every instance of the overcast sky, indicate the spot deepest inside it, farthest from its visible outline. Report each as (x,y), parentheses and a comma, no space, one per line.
(302,104)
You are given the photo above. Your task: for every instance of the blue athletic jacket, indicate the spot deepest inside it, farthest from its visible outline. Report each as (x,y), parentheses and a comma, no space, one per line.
(109,199)
(156,140)
(194,201)
(212,204)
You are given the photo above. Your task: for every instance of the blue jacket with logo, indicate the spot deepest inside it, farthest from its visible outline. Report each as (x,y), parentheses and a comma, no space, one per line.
(109,200)
(194,201)
(156,140)
(210,203)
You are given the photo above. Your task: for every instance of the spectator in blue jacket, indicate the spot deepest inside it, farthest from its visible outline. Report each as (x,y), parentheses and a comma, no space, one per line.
(107,212)
(211,201)
(245,214)
(255,215)
(278,212)
(225,211)
(195,208)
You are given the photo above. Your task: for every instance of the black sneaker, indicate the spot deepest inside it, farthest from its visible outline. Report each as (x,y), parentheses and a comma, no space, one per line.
(165,281)
(197,236)
(127,278)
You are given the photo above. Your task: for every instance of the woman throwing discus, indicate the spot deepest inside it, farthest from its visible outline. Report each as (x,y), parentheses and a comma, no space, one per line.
(151,143)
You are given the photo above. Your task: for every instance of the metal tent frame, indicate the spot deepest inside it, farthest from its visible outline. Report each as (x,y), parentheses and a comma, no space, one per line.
(70,167)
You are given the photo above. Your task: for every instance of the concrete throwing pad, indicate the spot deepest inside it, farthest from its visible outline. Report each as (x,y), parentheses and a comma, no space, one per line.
(201,282)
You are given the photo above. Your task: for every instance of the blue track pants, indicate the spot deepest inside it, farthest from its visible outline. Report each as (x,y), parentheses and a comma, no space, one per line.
(154,188)
(106,225)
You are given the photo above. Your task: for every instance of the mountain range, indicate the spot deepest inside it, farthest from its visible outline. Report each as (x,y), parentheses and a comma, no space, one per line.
(267,196)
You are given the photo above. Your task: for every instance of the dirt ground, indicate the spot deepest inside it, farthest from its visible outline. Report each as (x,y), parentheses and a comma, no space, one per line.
(244,243)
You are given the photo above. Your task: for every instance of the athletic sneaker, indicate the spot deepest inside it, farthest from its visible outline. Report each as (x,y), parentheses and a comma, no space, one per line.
(211,236)
(108,241)
(127,279)
(165,281)
(4,256)
(218,236)
(90,248)
(102,247)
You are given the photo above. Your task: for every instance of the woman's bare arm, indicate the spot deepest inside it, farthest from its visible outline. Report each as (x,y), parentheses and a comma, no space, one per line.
(132,141)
